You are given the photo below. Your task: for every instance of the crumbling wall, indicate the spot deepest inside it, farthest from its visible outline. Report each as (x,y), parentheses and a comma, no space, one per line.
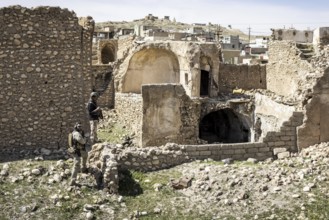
(315,128)
(321,36)
(112,158)
(244,77)
(286,70)
(169,115)
(129,109)
(185,61)
(124,46)
(103,83)
(272,114)
(44,55)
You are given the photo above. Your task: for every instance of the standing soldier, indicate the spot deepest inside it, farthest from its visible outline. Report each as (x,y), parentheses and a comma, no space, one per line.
(95,113)
(77,148)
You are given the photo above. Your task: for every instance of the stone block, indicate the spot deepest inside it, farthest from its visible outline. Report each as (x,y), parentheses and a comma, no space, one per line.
(252,150)
(279,150)
(202,147)
(239,151)
(190,148)
(195,153)
(205,153)
(215,152)
(285,138)
(226,152)
(283,155)
(264,149)
(279,143)
(237,156)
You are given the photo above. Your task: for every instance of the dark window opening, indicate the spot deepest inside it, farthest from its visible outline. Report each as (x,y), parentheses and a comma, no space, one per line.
(223,126)
(107,55)
(204,83)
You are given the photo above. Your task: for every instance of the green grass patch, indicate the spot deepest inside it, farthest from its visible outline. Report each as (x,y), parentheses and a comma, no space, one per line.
(114,134)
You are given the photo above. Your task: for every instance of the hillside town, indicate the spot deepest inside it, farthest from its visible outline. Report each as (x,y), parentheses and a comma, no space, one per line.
(235,50)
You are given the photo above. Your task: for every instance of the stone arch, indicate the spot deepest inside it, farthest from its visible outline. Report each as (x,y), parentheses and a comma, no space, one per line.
(150,66)
(108,53)
(224,126)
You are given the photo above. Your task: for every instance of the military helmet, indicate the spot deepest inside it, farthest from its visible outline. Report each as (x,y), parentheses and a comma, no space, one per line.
(94,94)
(77,125)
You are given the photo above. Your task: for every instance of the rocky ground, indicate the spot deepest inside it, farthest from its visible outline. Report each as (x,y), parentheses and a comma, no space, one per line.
(293,188)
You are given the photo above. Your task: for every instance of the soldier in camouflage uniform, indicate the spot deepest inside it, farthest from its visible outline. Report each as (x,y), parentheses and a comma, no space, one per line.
(80,155)
(79,152)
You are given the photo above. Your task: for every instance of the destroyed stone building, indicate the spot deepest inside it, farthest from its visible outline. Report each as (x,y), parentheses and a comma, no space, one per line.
(163,91)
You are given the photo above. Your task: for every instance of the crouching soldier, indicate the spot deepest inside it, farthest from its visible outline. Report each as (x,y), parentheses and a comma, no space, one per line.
(77,148)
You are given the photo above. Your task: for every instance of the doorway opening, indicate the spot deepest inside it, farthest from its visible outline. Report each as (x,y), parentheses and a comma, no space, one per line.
(224,126)
(204,83)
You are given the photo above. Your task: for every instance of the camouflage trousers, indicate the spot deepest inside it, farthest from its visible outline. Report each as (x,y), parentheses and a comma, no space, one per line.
(93,131)
(79,164)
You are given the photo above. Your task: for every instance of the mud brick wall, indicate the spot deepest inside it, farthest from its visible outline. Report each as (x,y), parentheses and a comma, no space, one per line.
(43,64)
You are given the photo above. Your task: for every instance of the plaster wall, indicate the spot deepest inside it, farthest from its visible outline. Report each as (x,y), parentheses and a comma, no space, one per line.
(271,113)
(299,36)
(168,115)
(150,66)
(320,34)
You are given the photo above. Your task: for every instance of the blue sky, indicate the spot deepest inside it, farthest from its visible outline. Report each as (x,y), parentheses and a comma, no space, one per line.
(259,15)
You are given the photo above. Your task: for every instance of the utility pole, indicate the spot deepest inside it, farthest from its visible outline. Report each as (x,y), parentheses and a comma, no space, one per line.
(249,34)
(219,33)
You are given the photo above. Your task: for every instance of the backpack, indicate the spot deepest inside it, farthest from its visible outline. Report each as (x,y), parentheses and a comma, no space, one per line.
(71,145)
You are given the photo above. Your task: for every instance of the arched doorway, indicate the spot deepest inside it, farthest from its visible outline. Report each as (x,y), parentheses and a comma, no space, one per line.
(224,126)
(151,66)
(107,54)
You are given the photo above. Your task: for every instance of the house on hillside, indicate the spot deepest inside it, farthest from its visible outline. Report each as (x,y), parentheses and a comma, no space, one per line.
(231,47)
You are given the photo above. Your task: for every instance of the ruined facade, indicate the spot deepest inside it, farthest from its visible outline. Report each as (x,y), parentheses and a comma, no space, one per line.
(163,91)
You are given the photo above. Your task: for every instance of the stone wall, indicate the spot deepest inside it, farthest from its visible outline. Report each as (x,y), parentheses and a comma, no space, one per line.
(156,158)
(103,83)
(316,124)
(241,76)
(130,113)
(124,45)
(44,58)
(285,140)
(286,70)
(169,115)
